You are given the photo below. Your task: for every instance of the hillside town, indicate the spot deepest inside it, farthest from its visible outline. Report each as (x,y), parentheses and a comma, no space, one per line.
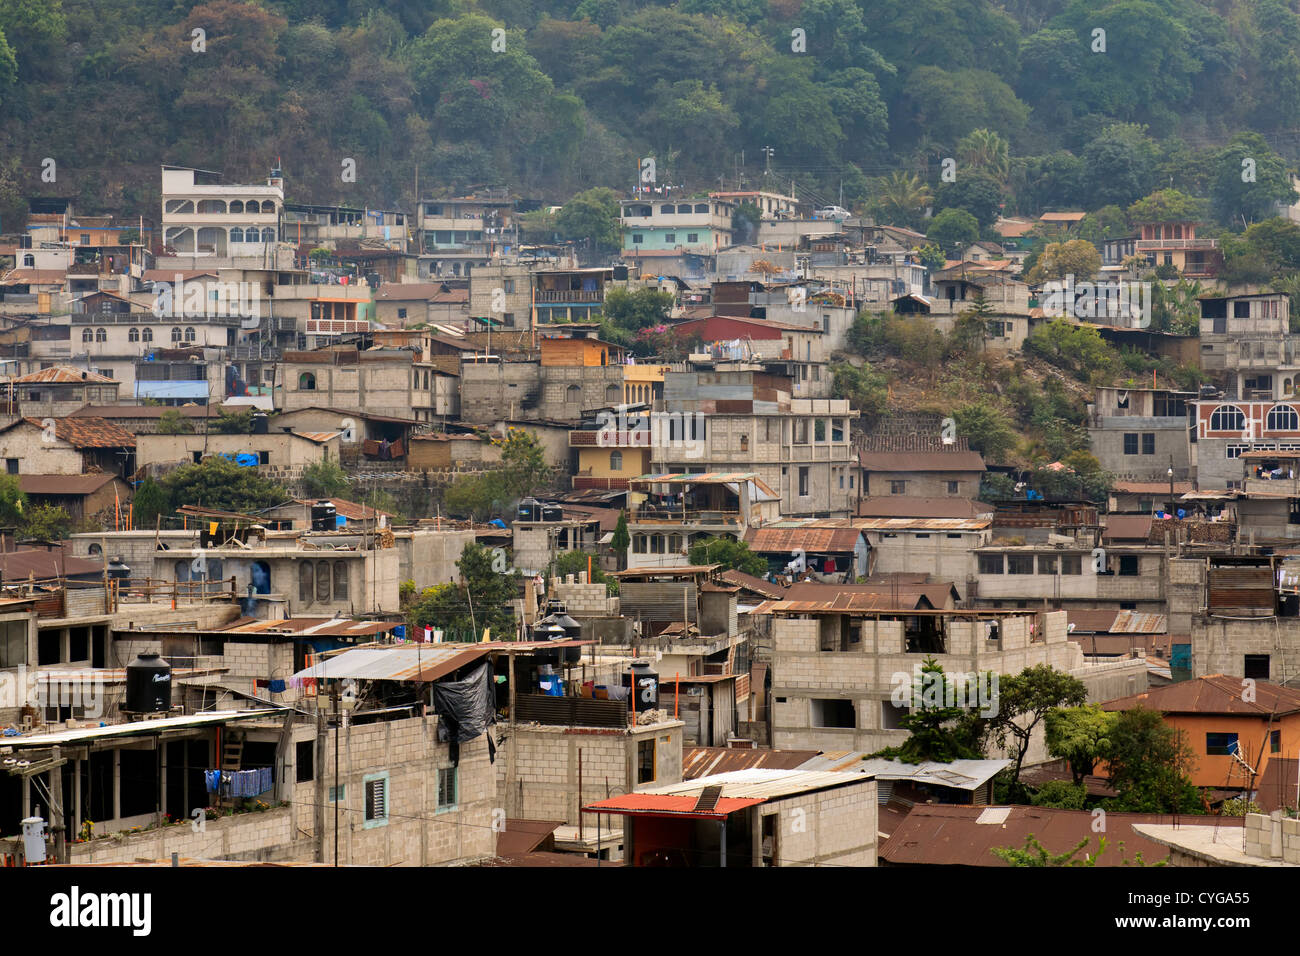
(384,537)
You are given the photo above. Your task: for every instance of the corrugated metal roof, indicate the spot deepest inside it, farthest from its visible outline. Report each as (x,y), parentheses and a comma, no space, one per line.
(958,774)
(915,506)
(756,783)
(413,662)
(1213,694)
(923,524)
(63,484)
(652,804)
(136,728)
(316,627)
(1133,622)
(953,835)
(87,432)
(63,375)
(703,761)
(811,539)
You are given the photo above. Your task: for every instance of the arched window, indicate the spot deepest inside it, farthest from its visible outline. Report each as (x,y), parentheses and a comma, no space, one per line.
(1227,418)
(207,207)
(101,335)
(147,334)
(615,461)
(94,550)
(340,581)
(306,382)
(684,207)
(701,207)
(133,334)
(189,334)
(323,581)
(306,582)
(260,577)
(87,335)
(236,234)
(1283,418)
(176,335)
(573,394)
(29,262)
(182,571)
(268,234)
(611,393)
(267,206)
(236,206)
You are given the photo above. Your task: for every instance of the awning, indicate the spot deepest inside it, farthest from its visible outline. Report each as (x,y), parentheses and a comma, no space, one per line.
(413,662)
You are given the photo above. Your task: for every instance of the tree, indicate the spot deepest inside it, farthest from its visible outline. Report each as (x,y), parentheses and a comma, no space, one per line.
(1167,205)
(591,215)
(637,309)
(1033,853)
(172,422)
(325,479)
(621,540)
(1148,765)
(942,724)
(986,429)
(976,192)
(524,469)
(483,598)
(1119,165)
(1080,736)
(1078,258)
(986,151)
(13,502)
(901,198)
(1249,181)
(233,422)
(952,231)
(47,523)
(472,496)
(1061,795)
(149,503)
(729,553)
(220,484)
(866,390)
(1024,700)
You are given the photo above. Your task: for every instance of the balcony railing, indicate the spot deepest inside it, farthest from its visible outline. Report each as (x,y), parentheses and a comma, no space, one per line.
(1170,245)
(652,515)
(570,295)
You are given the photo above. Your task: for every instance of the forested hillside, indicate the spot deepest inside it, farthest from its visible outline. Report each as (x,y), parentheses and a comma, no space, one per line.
(851,94)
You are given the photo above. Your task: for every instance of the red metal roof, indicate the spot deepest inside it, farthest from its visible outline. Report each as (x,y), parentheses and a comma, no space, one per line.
(670,805)
(1214,694)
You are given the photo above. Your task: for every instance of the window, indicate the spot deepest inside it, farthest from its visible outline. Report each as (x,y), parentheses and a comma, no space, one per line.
(340,580)
(670,237)
(1128,565)
(87,335)
(990,564)
(615,461)
(133,335)
(401,313)
(1227,418)
(1220,744)
(639,544)
(304,754)
(803,481)
(13,643)
(645,761)
(1275,741)
(819,429)
(147,335)
(263,457)
(898,487)
(189,334)
(1047,564)
(1282,418)
(508,286)
(11,466)
(1020,564)
(176,335)
(834,713)
(954,487)
(1130,443)
(692,237)
(322,581)
(1148,443)
(1256,666)
(236,234)
(101,335)
(306,582)
(306,382)
(448,787)
(636,238)
(376,785)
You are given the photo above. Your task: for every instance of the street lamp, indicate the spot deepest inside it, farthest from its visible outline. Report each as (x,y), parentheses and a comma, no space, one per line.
(1170,473)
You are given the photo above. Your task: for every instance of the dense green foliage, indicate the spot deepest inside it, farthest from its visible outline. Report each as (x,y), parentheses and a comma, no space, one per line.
(484,598)
(867,96)
(731,554)
(219,483)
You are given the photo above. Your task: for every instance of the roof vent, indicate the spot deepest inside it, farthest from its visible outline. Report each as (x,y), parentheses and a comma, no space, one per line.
(708,799)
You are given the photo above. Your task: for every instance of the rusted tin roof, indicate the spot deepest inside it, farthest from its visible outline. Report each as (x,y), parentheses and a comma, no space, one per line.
(1213,694)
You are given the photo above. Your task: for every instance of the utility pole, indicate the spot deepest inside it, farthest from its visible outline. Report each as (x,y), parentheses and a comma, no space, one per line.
(768,152)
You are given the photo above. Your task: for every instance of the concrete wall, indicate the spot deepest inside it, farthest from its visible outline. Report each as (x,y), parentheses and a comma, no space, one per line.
(1220,645)
(546,766)
(941,555)
(836,827)
(1171,442)
(429,556)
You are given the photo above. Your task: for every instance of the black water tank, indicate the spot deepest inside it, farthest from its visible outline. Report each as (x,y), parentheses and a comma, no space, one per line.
(117,570)
(552,513)
(529,509)
(644,684)
(324,516)
(148,685)
(261,424)
(620,273)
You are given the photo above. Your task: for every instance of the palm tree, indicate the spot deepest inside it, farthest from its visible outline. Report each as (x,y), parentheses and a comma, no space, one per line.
(902,197)
(985,150)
